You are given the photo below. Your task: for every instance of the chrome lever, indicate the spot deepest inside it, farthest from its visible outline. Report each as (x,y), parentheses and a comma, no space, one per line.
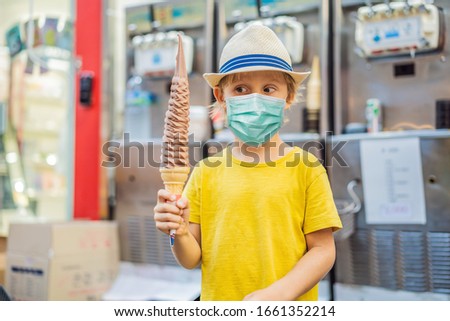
(407,8)
(370,6)
(389,11)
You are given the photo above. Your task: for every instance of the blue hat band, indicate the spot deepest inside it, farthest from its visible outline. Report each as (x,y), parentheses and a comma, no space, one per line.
(253,61)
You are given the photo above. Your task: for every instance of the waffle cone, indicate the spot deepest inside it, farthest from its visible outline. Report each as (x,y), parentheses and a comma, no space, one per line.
(174,178)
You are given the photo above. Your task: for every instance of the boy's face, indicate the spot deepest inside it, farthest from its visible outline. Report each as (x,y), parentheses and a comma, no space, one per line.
(269,83)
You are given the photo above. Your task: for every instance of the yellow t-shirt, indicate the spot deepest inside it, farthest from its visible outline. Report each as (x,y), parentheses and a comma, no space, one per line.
(254,217)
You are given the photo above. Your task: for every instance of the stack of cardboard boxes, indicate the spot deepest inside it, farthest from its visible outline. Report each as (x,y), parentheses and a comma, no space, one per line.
(61,261)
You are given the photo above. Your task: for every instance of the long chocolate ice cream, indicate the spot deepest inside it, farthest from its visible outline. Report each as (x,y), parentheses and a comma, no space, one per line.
(176,125)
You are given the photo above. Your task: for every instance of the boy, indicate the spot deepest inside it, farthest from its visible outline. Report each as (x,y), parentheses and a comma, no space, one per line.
(260,216)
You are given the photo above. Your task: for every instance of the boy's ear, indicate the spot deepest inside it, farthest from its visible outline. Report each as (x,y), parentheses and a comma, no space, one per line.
(218,94)
(290,98)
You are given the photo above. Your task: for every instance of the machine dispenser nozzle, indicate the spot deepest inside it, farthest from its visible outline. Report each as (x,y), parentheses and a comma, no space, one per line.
(389,10)
(371,12)
(264,11)
(423,8)
(237,14)
(354,17)
(407,8)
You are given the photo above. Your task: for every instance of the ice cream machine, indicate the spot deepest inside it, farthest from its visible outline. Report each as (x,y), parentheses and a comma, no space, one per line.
(392,190)
(302,26)
(393,51)
(152,43)
(392,187)
(397,28)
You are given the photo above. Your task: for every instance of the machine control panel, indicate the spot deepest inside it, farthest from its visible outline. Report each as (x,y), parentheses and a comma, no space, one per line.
(398,28)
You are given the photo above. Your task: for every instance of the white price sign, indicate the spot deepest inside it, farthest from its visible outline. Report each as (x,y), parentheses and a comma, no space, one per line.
(393,181)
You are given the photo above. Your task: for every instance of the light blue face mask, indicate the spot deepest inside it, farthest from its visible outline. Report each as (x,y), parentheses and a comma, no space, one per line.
(255,118)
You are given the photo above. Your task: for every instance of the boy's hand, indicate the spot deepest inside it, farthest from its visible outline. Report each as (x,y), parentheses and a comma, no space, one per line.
(267,294)
(170,215)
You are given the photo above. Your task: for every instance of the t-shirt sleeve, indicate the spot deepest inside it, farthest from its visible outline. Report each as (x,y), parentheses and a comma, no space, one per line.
(320,211)
(192,192)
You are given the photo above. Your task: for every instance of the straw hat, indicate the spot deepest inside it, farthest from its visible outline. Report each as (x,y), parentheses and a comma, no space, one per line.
(254,48)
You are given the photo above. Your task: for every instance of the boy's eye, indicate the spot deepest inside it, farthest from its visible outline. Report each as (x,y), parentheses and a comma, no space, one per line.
(269,90)
(240,89)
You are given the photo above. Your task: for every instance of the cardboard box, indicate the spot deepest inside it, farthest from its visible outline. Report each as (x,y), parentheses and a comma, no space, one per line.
(61,261)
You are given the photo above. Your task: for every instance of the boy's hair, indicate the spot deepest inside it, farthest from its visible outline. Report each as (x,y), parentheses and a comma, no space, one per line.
(290,82)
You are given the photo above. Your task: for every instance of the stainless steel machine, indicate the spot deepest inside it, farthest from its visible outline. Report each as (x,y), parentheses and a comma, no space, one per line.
(393,187)
(388,244)
(303,27)
(137,181)
(151,51)
(152,32)
(405,77)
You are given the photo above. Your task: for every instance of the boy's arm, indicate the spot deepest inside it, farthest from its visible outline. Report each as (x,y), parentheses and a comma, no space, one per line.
(309,270)
(187,247)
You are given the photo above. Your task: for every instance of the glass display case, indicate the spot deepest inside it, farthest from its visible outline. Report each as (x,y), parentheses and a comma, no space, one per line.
(37,112)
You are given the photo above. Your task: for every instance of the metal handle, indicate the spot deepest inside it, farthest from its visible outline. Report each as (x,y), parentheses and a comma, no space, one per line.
(355,206)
